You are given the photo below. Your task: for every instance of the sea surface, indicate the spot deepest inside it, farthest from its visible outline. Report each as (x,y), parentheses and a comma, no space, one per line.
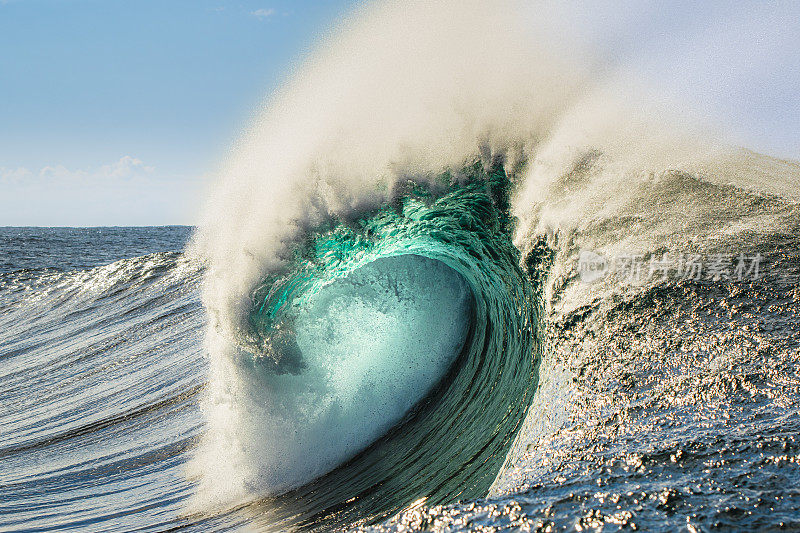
(101,365)
(671,403)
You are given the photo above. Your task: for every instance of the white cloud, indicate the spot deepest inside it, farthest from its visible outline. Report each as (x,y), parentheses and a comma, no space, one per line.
(123,192)
(126,168)
(263,13)
(14,175)
(61,172)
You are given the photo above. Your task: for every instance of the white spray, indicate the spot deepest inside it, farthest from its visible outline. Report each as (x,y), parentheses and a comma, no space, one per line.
(404,90)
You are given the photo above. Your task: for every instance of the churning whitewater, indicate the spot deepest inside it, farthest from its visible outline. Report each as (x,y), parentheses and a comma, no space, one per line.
(456,274)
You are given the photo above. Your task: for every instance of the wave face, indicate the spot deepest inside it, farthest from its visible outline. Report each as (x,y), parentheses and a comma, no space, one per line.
(366,363)
(402,177)
(396,313)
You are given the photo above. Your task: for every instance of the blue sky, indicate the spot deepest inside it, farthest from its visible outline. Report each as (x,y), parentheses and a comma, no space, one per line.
(121,96)
(112,112)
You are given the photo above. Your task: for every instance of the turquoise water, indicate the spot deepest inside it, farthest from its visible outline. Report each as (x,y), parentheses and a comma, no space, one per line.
(417,317)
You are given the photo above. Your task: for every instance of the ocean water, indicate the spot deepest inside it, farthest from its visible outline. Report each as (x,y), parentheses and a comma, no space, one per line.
(441,385)
(101,366)
(449,279)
